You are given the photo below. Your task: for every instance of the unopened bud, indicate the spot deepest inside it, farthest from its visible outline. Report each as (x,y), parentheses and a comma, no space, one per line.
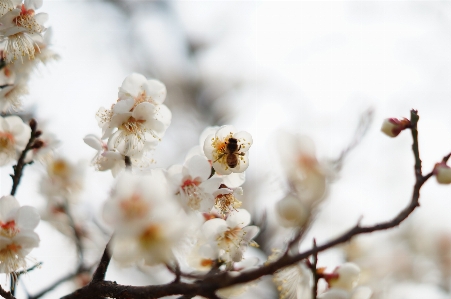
(442,173)
(38,144)
(33,124)
(37,134)
(292,212)
(393,126)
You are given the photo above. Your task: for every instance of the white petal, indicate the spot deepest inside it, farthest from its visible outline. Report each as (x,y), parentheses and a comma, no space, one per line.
(33,4)
(335,294)
(93,141)
(155,90)
(132,85)
(234,180)
(250,232)
(41,18)
(123,106)
(222,168)
(118,119)
(27,239)
(213,227)
(225,131)
(27,217)
(245,140)
(144,111)
(239,218)
(8,207)
(198,167)
(211,185)
(361,293)
(163,114)
(208,148)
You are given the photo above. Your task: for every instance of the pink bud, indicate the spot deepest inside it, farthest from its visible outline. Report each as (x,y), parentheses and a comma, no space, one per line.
(393,126)
(442,173)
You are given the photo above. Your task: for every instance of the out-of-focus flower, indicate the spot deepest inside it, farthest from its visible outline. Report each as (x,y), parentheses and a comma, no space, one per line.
(306,176)
(48,142)
(14,136)
(21,26)
(63,180)
(148,221)
(10,95)
(343,282)
(17,236)
(292,212)
(228,150)
(442,173)
(393,126)
(230,238)
(192,183)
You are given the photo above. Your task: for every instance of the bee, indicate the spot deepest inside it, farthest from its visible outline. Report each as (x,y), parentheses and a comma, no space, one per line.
(232,151)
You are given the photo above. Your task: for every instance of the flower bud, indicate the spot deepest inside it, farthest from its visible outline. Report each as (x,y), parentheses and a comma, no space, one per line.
(291,212)
(442,173)
(393,126)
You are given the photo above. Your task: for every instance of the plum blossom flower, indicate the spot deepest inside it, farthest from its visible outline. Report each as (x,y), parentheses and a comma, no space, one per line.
(147,220)
(226,199)
(343,282)
(17,236)
(230,238)
(292,212)
(14,135)
(21,26)
(306,175)
(63,181)
(228,150)
(105,159)
(139,116)
(192,183)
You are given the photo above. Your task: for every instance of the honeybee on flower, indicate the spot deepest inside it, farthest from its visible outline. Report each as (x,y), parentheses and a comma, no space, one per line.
(228,150)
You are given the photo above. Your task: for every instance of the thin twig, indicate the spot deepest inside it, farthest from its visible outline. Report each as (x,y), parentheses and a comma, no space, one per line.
(18,168)
(313,267)
(99,273)
(77,235)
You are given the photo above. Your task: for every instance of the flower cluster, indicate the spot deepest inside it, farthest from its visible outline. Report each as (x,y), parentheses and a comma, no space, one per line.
(24,35)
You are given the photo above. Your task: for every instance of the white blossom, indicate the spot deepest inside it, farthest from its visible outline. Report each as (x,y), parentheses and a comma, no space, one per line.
(105,159)
(393,126)
(192,183)
(14,136)
(148,222)
(306,175)
(228,150)
(343,286)
(139,116)
(17,236)
(230,238)
(292,212)
(21,26)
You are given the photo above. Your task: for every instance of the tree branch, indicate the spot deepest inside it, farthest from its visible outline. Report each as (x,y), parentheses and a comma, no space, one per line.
(5,294)
(18,168)
(211,284)
(99,273)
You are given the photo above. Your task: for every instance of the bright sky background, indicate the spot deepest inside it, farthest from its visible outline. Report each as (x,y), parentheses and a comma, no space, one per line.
(308,67)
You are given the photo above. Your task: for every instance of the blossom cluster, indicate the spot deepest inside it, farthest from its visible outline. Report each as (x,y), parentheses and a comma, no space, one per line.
(23,35)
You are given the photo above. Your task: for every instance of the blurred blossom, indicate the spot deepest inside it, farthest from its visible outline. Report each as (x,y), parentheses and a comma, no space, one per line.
(14,136)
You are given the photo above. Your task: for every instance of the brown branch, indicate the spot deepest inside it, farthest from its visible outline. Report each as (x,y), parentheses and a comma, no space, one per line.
(18,168)
(5,294)
(211,284)
(99,273)
(128,162)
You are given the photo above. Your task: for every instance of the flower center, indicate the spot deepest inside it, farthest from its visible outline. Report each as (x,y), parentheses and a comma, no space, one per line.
(133,126)
(7,143)
(134,207)
(226,203)
(151,236)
